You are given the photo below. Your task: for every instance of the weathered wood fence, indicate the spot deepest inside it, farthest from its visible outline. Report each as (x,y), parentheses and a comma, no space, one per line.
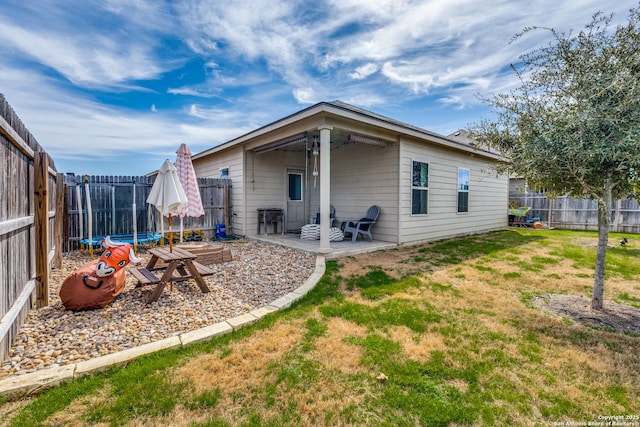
(40,208)
(31,199)
(116,205)
(579,214)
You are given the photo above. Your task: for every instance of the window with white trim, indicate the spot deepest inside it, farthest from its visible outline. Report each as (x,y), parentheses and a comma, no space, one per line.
(419,188)
(463,190)
(295,187)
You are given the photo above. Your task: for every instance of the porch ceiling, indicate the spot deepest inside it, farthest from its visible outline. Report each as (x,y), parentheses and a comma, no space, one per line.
(303,141)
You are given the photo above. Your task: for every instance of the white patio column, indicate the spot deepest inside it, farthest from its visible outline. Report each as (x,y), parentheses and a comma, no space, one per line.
(325,186)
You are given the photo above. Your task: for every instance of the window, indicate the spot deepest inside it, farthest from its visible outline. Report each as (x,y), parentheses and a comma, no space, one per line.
(419,188)
(463,190)
(224,173)
(295,186)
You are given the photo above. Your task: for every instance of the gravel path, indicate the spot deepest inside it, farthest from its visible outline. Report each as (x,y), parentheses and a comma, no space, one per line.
(53,336)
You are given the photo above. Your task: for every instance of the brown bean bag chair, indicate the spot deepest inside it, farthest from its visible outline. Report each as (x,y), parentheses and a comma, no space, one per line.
(85,290)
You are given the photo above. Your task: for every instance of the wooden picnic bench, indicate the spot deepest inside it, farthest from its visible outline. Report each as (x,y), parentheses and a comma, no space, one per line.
(179,266)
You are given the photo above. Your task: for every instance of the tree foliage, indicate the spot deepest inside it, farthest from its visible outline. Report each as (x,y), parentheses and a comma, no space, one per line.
(572,126)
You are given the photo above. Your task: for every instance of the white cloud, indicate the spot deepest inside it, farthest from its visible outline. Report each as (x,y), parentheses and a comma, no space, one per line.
(212,134)
(110,140)
(190,91)
(406,74)
(305,95)
(434,45)
(366,100)
(86,60)
(258,60)
(364,71)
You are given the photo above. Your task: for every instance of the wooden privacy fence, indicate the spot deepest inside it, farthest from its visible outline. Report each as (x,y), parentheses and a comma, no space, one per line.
(579,214)
(31,199)
(116,205)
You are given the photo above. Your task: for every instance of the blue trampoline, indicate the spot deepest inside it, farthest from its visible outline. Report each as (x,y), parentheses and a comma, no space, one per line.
(125,238)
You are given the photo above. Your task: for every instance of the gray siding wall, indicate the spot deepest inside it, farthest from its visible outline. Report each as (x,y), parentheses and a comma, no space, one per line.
(364,175)
(488,195)
(266,182)
(209,167)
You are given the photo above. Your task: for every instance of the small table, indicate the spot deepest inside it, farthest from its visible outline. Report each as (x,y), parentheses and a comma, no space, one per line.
(273,216)
(178,261)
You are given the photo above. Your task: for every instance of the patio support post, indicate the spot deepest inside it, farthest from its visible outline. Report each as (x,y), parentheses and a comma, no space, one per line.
(325,185)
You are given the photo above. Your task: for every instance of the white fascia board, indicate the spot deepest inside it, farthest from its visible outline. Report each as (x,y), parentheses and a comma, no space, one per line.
(345,112)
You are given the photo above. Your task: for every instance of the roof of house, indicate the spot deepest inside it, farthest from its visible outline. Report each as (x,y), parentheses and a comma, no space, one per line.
(345,110)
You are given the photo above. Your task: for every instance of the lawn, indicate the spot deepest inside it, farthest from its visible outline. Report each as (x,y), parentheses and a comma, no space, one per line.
(440,334)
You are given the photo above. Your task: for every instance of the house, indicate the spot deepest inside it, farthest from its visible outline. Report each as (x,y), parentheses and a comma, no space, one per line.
(428,186)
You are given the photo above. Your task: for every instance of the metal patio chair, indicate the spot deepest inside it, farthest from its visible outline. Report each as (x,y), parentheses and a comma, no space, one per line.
(364,225)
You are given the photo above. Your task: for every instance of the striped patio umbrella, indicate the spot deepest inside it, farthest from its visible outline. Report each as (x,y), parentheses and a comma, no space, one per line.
(167,194)
(187,175)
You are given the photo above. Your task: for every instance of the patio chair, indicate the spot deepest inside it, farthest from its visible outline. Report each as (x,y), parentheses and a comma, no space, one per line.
(364,225)
(332,216)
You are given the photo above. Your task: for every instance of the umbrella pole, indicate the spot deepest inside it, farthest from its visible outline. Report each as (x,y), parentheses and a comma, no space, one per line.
(170,236)
(170,247)
(162,228)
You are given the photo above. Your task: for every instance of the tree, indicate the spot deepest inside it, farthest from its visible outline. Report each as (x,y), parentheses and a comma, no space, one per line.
(572,126)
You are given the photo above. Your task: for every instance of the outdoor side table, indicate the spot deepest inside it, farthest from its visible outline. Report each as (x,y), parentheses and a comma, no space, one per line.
(270,216)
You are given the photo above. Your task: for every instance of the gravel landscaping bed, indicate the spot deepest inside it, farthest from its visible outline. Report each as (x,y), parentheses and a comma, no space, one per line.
(53,336)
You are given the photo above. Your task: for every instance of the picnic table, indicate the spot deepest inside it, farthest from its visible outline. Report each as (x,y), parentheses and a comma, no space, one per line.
(179,265)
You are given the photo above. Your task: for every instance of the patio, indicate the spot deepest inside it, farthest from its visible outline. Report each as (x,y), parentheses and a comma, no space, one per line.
(338,249)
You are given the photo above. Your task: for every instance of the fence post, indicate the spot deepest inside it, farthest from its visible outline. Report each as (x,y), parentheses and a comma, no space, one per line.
(41,220)
(59,221)
(617,215)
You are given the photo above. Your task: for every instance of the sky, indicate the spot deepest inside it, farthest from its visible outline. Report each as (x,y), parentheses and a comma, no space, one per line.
(113,87)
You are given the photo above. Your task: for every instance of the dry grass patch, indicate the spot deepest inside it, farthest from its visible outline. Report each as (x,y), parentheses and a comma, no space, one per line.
(334,353)
(10,409)
(491,356)
(322,402)
(499,325)
(386,260)
(179,417)
(247,364)
(594,360)
(416,347)
(73,414)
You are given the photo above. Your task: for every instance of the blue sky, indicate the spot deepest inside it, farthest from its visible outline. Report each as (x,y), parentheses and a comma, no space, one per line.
(113,87)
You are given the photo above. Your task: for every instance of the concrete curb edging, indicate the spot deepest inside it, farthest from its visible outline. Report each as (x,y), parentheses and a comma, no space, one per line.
(24,385)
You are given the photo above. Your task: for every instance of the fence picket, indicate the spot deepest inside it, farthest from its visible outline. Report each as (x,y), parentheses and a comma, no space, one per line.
(579,214)
(27,223)
(112,207)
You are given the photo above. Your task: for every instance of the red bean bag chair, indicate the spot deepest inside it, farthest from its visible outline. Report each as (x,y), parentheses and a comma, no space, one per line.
(85,290)
(98,282)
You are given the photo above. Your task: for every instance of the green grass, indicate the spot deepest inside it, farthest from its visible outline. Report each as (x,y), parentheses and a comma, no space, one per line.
(57,399)
(465,347)
(145,389)
(205,400)
(625,298)
(397,312)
